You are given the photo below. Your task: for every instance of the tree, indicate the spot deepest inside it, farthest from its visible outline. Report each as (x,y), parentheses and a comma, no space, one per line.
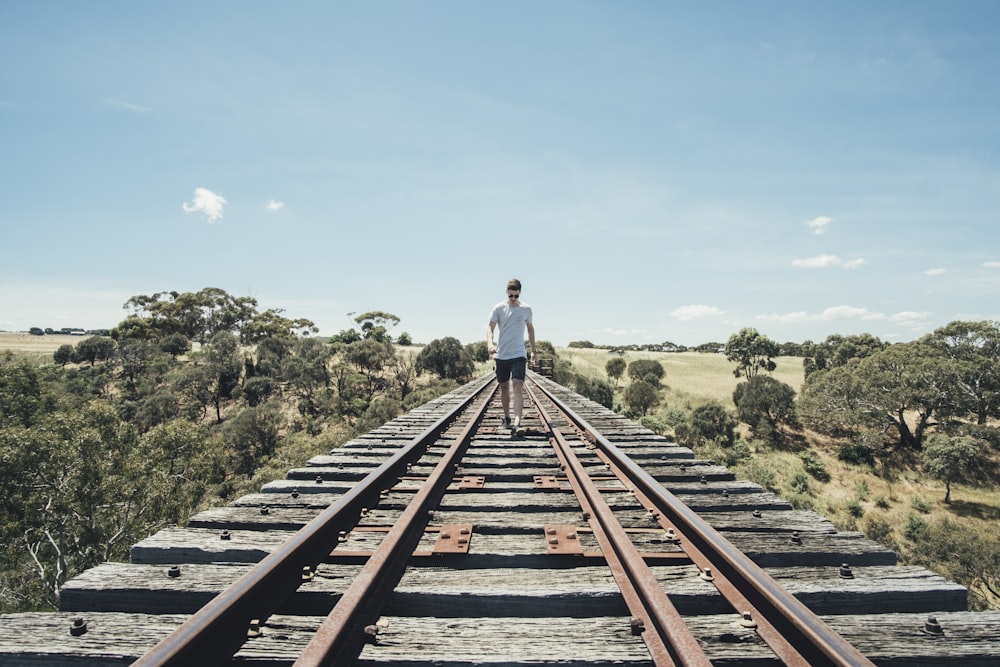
(370,357)
(94,349)
(974,348)
(646,370)
(404,339)
(764,397)
(710,422)
(175,344)
(901,387)
(948,458)
(376,324)
(752,352)
(63,355)
(641,396)
(447,358)
(224,368)
(615,368)
(837,351)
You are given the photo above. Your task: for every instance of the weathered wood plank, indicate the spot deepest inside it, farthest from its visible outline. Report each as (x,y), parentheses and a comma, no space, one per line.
(970,639)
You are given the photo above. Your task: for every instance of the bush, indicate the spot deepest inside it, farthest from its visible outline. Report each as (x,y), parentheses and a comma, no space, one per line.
(915,528)
(920,504)
(855,508)
(858,452)
(800,483)
(814,466)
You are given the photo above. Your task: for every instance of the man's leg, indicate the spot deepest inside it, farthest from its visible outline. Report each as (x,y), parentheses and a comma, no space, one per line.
(518,401)
(505,400)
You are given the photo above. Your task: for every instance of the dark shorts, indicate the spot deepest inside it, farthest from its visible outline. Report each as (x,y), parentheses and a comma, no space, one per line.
(507,368)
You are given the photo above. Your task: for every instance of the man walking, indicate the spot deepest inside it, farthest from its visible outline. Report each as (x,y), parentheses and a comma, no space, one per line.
(510,318)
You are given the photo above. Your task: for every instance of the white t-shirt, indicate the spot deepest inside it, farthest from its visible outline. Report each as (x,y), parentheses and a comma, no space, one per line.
(511,323)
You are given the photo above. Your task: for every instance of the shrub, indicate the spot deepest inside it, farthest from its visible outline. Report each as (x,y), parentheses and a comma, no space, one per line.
(814,466)
(800,483)
(858,452)
(920,504)
(855,508)
(915,528)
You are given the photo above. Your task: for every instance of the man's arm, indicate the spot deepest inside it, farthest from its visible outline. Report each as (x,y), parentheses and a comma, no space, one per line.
(491,347)
(531,338)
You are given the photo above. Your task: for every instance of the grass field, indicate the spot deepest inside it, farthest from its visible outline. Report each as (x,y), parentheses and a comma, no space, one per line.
(39,347)
(692,375)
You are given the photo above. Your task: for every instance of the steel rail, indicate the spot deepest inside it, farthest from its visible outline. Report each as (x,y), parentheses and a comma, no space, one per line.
(791,629)
(215,633)
(667,637)
(341,636)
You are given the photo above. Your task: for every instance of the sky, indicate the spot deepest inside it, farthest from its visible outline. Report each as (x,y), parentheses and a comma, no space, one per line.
(650,171)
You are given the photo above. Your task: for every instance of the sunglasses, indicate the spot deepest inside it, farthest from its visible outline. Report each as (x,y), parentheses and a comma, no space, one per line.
(513,296)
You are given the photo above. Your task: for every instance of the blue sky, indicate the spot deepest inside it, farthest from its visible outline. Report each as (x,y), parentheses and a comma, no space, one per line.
(651,171)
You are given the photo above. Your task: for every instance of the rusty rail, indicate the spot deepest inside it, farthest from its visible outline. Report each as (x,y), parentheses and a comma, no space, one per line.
(217,631)
(796,635)
(654,617)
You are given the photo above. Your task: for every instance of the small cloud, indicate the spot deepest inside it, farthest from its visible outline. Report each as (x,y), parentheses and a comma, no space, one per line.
(695,312)
(274,205)
(627,332)
(935,272)
(911,319)
(990,265)
(828,314)
(126,106)
(207,202)
(4,104)
(797,316)
(827,261)
(818,224)
(849,313)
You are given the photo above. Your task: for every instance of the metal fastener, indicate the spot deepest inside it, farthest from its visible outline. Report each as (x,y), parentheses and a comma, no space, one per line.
(845,571)
(174,571)
(79,627)
(932,628)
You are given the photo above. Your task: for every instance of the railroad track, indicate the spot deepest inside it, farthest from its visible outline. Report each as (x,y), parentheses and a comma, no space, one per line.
(439,540)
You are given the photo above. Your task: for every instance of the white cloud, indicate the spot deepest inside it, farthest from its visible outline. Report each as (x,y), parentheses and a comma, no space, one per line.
(627,332)
(935,272)
(694,312)
(818,224)
(207,202)
(849,313)
(911,319)
(826,261)
(127,106)
(832,313)
(274,205)
(990,265)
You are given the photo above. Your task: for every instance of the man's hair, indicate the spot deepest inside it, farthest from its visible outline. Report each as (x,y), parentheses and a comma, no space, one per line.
(514,283)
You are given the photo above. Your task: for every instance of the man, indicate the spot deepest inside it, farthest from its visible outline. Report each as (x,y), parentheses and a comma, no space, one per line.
(510,318)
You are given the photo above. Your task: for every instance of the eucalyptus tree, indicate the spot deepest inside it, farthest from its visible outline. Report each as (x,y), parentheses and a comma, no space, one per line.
(752,352)
(974,349)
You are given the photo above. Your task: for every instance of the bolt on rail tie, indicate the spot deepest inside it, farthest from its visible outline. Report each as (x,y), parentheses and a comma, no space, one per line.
(791,630)
(666,635)
(215,633)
